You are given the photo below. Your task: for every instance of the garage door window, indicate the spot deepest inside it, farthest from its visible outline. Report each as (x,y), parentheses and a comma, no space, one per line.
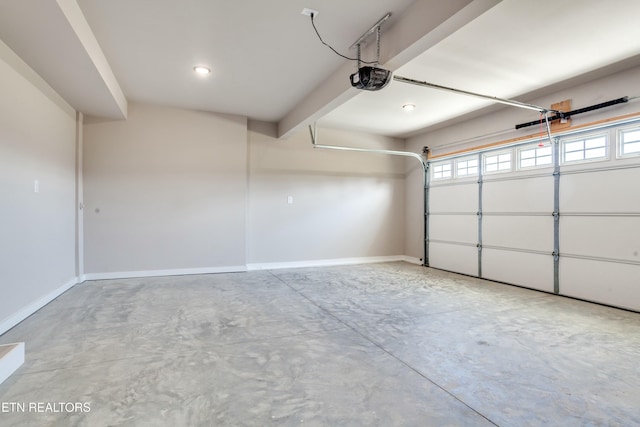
(467,167)
(442,170)
(629,142)
(497,162)
(535,156)
(585,149)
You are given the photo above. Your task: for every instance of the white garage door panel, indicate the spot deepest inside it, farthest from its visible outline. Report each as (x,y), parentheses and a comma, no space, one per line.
(454,228)
(598,230)
(454,198)
(604,282)
(520,232)
(521,195)
(460,259)
(607,191)
(530,270)
(604,237)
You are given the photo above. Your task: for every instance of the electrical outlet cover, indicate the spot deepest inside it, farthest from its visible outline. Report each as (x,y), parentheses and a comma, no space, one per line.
(309,12)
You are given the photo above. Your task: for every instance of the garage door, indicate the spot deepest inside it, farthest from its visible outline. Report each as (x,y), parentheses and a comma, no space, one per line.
(560,216)
(453,220)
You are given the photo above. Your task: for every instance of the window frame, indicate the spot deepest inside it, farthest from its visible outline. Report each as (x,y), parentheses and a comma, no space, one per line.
(497,154)
(584,138)
(620,143)
(442,163)
(467,159)
(531,146)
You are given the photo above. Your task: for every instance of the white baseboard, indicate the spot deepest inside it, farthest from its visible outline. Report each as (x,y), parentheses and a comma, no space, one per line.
(326,262)
(28,310)
(10,360)
(412,260)
(250,267)
(155,273)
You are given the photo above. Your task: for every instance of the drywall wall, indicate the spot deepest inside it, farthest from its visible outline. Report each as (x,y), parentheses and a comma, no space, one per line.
(37,229)
(499,126)
(165,193)
(414,209)
(343,204)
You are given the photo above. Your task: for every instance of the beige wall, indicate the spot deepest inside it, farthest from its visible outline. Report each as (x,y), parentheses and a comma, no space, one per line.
(37,230)
(345,204)
(169,190)
(165,190)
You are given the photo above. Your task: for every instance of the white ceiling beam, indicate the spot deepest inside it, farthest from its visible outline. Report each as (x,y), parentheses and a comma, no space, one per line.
(54,38)
(80,26)
(419,28)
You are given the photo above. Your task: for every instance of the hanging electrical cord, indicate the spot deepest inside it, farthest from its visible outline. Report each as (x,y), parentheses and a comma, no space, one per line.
(313,24)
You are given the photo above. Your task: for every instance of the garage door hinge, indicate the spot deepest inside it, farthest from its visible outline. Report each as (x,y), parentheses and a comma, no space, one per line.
(555,214)
(556,255)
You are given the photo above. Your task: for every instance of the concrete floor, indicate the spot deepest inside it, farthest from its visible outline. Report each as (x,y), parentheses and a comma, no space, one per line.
(386,344)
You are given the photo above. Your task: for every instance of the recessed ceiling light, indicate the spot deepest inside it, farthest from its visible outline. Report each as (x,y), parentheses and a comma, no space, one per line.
(202,70)
(408,107)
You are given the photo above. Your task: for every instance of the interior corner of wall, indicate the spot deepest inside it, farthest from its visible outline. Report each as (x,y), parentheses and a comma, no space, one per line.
(265,128)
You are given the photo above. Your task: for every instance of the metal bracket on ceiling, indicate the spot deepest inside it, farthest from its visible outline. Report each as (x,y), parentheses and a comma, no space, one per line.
(375,28)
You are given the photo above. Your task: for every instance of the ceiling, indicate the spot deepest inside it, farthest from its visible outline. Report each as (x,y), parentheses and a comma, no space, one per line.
(515,48)
(268,64)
